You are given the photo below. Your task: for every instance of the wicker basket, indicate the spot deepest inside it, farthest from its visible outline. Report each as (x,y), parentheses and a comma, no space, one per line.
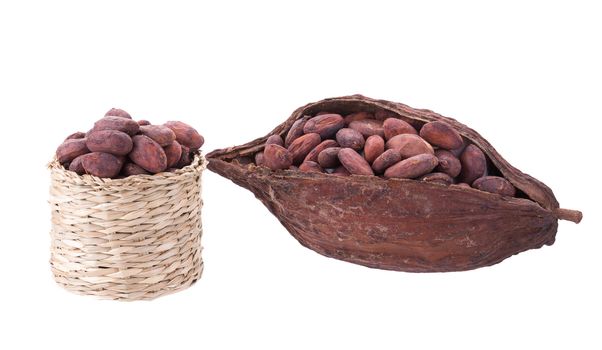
(128,239)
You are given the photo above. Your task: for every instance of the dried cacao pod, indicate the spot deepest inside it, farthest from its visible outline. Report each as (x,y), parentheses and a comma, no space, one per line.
(401,224)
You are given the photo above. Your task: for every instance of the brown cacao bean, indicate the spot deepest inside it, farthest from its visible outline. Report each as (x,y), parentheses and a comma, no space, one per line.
(143,122)
(448,163)
(109,141)
(186,135)
(474,164)
(130,169)
(440,178)
(102,164)
(329,158)
(441,134)
(368,127)
(277,157)
(409,145)
(354,163)
(71,149)
(173,152)
(393,127)
(313,154)
(325,125)
(116,112)
(259,159)
(374,147)
(349,138)
(275,139)
(77,165)
(341,171)
(125,125)
(310,167)
(494,184)
(295,131)
(161,134)
(412,167)
(148,154)
(185,158)
(358,116)
(76,135)
(303,145)
(385,160)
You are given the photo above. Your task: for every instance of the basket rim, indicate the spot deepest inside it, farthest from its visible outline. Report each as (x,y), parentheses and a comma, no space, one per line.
(198,164)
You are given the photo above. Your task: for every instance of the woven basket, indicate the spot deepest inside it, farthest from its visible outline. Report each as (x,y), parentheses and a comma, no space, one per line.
(127,239)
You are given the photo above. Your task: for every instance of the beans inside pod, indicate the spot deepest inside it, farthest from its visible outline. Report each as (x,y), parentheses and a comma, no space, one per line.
(439,199)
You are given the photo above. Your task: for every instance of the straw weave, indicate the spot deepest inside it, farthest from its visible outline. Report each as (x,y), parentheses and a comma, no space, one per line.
(128,239)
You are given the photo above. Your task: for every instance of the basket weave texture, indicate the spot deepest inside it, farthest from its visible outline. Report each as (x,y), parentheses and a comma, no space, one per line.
(127,239)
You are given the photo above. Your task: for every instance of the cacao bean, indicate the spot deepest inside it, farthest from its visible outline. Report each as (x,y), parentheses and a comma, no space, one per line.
(357,116)
(173,152)
(71,149)
(412,167)
(295,131)
(303,145)
(148,154)
(109,141)
(329,158)
(102,164)
(374,147)
(277,157)
(349,138)
(441,134)
(440,178)
(130,169)
(313,154)
(143,122)
(186,135)
(77,165)
(341,171)
(474,164)
(409,145)
(125,125)
(368,127)
(495,184)
(275,139)
(354,163)
(393,127)
(385,160)
(259,159)
(76,135)
(116,112)
(325,125)
(310,167)
(448,163)
(185,158)
(161,134)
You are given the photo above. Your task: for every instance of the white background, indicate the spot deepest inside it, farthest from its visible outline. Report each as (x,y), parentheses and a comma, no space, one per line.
(527,76)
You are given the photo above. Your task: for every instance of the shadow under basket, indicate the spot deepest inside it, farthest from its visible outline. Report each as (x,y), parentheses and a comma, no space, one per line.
(126,239)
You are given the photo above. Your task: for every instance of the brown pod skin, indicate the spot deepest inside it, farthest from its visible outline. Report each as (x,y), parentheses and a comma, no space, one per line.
(102,164)
(397,224)
(325,125)
(77,165)
(358,116)
(448,163)
(314,153)
(116,112)
(275,139)
(374,147)
(295,131)
(130,169)
(186,135)
(440,178)
(341,171)
(310,167)
(354,163)
(412,167)
(301,147)
(148,154)
(76,135)
(441,134)
(385,160)
(71,149)
(474,164)
(329,158)
(349,138)
(495,184)
(125,125)
(143,122)
(173,152)
(259,160)
(109,141)
(368,127)
(185,158)
(393,127)
(409,145)
(277,157)
(161,134)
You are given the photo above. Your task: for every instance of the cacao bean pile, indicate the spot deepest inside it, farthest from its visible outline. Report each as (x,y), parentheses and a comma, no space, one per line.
(118,146)
(364,143)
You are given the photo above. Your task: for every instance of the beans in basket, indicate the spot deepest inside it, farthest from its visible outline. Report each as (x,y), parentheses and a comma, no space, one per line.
(118,146)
